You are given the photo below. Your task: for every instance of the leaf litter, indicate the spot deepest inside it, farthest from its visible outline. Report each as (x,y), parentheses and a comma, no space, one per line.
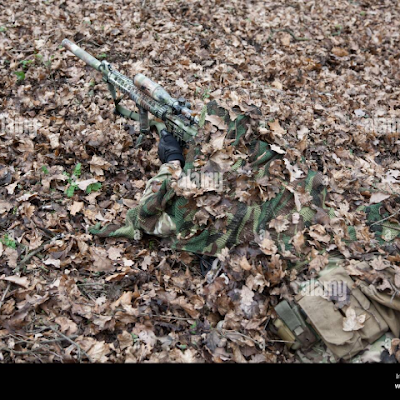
(316,71)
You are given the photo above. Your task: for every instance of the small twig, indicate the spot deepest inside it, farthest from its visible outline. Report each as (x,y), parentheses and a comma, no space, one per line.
(22,51)
(290,32)
(158,315)
(5,294)
(166,316)
(34,252)
(280,341)
(212,275)
(224,331)
(90,284)
(384,219)
(23,352)
(47,341)
(72,342)
(93,42)
(298,39)
(30,255)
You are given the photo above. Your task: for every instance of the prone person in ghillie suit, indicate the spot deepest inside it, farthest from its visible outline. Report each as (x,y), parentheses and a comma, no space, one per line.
(233,199)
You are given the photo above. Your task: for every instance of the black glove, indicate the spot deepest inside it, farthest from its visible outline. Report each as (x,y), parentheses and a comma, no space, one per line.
(169,149)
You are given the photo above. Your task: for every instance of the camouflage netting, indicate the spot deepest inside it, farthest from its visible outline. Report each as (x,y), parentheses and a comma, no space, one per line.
(270,203)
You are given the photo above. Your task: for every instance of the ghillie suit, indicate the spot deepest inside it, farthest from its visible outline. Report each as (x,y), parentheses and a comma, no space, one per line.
(251,194)
(261,202)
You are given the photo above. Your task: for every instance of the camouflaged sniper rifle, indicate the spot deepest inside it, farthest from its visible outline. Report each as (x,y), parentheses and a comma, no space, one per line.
(177,117)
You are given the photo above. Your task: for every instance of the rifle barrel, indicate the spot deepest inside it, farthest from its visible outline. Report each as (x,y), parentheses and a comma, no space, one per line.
(82,54)
(156,107)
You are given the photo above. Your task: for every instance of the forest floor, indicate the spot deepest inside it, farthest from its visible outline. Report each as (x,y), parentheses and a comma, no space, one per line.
(317,70)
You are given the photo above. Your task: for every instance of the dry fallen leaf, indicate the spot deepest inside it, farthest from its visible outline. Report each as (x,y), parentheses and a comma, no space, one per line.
(280,223)
(147,260)
(76,207)
(84,184)
(379,263)
(268,246)
(378,197)
(51,261)
(101,262)
(352,322)
(18,280)
(244,264)
(319,262)
(99,351)
(114,253)
(12,257)
(277,149)
(5,206)
(98,164)
(217,121)
(340,52)
(294,171)
(319,233)
(276,127)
